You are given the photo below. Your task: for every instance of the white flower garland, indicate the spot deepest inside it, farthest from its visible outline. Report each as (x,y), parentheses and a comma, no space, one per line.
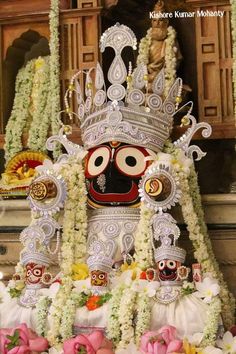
(233,24)
(41,105)
(113,325)
(211,328)
(68,317)
(42,308)
(20,113)
(170,55)
(228,300)
(143,245)
(54,69)
(143,315)
(126,316)
(74,231)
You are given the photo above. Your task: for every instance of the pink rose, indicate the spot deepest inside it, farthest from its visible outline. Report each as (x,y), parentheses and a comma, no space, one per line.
(27,343)
(94,343)
(163,341)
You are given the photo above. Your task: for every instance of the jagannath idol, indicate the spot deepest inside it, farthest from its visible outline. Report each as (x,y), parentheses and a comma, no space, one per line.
(122,273)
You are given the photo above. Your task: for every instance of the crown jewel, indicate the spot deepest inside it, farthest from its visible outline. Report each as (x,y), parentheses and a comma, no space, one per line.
(126,112)
(167,232)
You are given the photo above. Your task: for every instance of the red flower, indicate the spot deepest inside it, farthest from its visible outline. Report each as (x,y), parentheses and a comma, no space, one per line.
(93,302)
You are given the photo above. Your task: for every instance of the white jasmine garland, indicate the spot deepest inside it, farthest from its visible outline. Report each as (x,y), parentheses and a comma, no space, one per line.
(74,232)
(143,315)
(68,317)
(42,308)
(54,69)
(41,105)
(228,300)
(20,113)
(213,320)
(113,325)
(143,245)
(126,316)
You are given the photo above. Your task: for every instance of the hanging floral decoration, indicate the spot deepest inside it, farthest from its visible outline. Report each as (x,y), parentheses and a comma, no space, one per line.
(73,248)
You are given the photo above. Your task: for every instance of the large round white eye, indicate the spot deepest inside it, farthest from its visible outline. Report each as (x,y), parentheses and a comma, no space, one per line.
(171,264)
(131,160)
(94,276)
(28,273)
(101,276)
(98,161)
(37,272)
(161,265)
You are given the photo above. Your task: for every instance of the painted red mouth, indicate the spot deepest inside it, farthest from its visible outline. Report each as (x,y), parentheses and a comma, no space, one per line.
(165,276)
(130,196)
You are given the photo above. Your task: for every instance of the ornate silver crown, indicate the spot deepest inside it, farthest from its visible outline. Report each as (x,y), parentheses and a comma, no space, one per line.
(35,246)
(167,232)
(101,255)
(126,112)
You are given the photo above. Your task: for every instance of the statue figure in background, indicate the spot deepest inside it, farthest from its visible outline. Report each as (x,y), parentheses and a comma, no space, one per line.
(159,48)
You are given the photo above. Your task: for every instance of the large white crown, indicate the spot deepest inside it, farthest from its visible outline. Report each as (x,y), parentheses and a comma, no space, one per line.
(34,241)
(167,232)
(126,111)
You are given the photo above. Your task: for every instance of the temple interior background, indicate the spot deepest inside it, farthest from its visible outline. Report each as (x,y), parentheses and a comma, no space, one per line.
(206,69)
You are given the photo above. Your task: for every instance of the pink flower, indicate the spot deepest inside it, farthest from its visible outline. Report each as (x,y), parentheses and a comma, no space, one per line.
(163,341)
(25,341)
(94,343)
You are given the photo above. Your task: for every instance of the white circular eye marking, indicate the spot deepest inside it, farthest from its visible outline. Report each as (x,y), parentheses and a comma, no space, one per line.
(161,265)
(131,161)
(37,272)
(98,161)
(28,273)
(101,276)
(94,276)
(171,264)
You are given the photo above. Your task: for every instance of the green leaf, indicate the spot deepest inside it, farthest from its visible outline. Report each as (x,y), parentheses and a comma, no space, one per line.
(14,340)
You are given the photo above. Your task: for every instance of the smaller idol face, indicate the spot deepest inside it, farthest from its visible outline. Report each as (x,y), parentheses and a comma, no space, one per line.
(167,270)
(34,273)
(99,278)
(113,171)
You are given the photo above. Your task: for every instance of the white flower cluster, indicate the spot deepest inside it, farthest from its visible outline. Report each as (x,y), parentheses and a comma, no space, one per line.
(143,246)
(143,315)
(113,325)
(54,69)
(20,113)
(42,307)
(40,105)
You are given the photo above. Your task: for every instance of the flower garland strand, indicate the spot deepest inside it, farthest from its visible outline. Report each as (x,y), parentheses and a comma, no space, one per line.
(41,310)
(213,319)
(113,325)
(170,55)
(143,246)
(20,113)
(41,106)
(143,316)
(201,250)
(126,316)
(73,174)
(233,24)
(54,70)
(228,300)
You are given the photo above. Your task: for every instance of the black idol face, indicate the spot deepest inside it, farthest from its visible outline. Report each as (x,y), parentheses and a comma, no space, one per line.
(113,171)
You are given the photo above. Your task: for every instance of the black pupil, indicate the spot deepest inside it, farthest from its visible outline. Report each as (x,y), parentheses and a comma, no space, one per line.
(98,161)
(130,161)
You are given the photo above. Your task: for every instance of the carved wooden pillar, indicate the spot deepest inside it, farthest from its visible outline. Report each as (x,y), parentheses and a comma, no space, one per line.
(214,66)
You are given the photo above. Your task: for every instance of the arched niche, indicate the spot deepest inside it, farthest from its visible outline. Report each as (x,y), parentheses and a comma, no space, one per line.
(28,46)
